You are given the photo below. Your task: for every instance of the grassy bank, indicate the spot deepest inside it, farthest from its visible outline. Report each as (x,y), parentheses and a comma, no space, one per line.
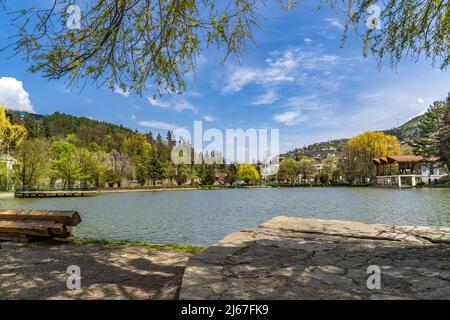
(103,242)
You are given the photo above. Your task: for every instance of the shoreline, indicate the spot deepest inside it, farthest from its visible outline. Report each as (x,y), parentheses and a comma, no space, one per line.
(151,189)
(10,195)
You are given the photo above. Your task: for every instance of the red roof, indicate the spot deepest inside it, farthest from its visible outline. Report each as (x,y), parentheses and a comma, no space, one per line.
(411,159)
(408,158)
(221,176)
(380,160)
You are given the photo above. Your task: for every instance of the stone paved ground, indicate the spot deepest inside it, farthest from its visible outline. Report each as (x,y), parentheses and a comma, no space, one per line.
(296,258)
(108,271)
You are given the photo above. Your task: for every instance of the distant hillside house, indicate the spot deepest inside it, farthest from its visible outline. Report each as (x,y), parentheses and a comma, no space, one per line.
(406,171)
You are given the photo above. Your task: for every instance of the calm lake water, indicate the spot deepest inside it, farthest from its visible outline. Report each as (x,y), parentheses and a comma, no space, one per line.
(201,217)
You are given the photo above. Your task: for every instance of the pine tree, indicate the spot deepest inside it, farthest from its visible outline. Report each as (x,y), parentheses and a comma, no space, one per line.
(208,175)
(150,138)
(429,125)
(171,139)
(155,168)
(443,137)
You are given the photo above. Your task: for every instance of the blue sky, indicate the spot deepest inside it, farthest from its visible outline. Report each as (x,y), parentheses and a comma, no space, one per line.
(296,79)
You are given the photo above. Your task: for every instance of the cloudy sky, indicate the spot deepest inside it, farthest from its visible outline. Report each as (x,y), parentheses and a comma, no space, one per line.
(296,78)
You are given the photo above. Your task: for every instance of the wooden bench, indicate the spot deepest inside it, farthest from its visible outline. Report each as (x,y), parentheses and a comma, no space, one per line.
(24,225)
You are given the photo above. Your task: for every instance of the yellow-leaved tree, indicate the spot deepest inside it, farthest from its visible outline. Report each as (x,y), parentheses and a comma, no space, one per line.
(363,148)
(10,134)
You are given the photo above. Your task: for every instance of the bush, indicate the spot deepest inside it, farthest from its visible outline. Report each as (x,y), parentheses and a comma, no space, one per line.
(324,178)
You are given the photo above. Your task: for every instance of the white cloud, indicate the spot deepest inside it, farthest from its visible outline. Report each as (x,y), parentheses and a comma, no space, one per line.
(284,67)
(278,69)
(420,101)
(308,40)
(192,93)
(267,98)
(13,96)
(177,103)
(123,92)
(310,103)
(208,118)
(153,124)
(334,22)
(289,118)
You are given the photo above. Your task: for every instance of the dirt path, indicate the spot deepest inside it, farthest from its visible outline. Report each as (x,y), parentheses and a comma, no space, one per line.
(108,271)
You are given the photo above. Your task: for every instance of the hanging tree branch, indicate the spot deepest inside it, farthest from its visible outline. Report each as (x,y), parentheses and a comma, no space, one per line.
(128,43)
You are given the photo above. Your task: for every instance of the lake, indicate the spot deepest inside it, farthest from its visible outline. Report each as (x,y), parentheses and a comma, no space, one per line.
(201,217)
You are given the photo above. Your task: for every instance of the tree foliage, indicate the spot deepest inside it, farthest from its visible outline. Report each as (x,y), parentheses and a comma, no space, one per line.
(126,43)
(432,120)
(10,134)
(248,173)
(404,29)
(443,136)
(306,167)
(32,157)
(63,162)
(288,170)
(362,149)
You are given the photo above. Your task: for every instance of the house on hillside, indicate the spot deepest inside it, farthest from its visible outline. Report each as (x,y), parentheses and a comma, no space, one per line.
(408,170)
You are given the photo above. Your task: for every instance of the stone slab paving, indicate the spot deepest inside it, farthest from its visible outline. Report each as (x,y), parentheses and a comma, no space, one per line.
(299,258)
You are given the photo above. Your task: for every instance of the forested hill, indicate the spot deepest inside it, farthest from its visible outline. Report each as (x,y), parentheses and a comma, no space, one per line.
(408,131)
(109,136)
(59,125)
(318,150)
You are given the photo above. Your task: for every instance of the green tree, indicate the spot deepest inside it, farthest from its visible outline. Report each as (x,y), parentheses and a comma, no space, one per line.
(182,174)
(110,177)
(155,168)
(426,145)
(306,167)
(288,170)
(64,162)
(32,157)
(443,137)
(139,151)
(330,167)
(248,173)
(324,178)
(91,168)
(231,172)
(207,175)
(170,171)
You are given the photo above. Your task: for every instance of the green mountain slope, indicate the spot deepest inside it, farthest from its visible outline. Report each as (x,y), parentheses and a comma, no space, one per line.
(59,125)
